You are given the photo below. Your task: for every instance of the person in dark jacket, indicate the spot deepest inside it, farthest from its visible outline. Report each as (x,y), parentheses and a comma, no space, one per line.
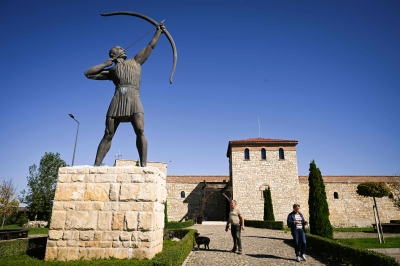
(297,223)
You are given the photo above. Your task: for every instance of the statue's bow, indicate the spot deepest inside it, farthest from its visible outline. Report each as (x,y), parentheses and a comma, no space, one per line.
(155,24)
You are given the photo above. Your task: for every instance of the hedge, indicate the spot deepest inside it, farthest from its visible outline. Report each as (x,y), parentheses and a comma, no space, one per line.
(177,225)
(275,225)
(177,254)
(22,246)
(171,255)
(347,254)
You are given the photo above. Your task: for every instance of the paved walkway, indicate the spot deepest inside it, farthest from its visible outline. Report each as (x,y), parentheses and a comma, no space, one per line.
(260,247)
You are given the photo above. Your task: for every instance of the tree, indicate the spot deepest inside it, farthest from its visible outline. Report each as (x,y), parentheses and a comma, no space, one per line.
(268,209)
(374,190)
(8,203)
(42,184)
(317,204)
(165,213)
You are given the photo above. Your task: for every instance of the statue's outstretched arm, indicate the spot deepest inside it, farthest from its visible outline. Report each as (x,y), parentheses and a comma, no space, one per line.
(142,56)
(98,72)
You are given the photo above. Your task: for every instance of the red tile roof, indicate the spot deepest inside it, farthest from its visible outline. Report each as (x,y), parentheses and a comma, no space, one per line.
(354,179)
(262,140)
(197,178)
(259,141)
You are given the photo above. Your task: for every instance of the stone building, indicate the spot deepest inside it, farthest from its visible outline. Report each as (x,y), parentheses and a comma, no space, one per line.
(258,163)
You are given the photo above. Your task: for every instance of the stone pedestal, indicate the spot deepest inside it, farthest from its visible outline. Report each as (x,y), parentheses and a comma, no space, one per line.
(103,212)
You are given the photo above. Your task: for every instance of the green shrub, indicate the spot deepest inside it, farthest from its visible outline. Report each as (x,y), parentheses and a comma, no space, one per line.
(317,204)
(177,225)
(275,225)
(268,209)
(346,254)
(176,254)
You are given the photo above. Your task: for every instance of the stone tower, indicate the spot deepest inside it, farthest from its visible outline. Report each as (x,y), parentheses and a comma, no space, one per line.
(258,163)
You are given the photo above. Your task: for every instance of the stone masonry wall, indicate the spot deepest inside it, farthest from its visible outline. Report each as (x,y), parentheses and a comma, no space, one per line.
(250,177)
(182,208)
(102,212)
(350,209)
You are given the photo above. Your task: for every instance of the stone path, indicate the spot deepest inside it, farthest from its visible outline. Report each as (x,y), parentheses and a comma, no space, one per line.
(260,247)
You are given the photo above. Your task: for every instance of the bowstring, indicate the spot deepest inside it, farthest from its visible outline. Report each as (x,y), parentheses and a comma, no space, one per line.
(139,38)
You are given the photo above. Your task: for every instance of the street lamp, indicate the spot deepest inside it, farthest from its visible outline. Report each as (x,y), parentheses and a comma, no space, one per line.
(76,139)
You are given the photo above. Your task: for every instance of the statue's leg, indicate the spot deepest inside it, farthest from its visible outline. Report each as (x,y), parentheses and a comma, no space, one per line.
(105,143)
(141,141)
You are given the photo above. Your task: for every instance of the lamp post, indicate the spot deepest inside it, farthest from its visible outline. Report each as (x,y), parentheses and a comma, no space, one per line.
(76,139)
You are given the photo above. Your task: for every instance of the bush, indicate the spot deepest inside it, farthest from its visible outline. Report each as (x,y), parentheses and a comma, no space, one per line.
(275,225)
(268,209)
(32,246)
(23,221)
(346,254)
(176,254)
(177,225)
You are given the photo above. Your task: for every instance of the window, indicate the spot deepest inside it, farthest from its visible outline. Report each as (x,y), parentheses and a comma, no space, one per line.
(182,194)
(246,154)
(263,154)
(391,196)
(281,154)
(335,195)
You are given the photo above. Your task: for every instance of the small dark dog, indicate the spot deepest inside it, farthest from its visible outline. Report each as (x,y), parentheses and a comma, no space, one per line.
(202,240)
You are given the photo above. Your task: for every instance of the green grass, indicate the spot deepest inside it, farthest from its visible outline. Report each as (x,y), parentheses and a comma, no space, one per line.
(390,242)
(32,231)
(354,229)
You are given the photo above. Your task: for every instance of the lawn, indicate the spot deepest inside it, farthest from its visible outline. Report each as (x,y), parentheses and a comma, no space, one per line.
(32,231)
(354,229)
(390,242)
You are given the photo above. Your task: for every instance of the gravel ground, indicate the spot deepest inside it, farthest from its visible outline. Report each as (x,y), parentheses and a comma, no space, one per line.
(260,247)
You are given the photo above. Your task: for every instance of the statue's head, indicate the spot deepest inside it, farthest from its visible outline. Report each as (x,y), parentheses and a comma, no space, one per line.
(117,51)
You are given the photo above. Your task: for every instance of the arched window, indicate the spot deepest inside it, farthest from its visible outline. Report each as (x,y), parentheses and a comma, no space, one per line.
(391,196)
(335,195)
(281,154)
(246,154)
(263,154)
(182,194)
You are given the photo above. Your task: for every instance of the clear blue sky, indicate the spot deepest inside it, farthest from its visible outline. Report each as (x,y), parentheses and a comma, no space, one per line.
(325,73)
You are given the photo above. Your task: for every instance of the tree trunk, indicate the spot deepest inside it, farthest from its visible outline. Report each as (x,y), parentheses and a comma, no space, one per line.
(379,222)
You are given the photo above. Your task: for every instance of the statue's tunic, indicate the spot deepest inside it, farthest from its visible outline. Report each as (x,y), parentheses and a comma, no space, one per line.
(126,101)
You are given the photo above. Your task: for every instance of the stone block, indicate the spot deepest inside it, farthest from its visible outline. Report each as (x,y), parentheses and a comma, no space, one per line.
(97,192)
(118,253)
(61,243)
(131,221)
(51,243)
(138,178)
(58,206)
(78,178)
(114,191)
(111,206)
(69,205)
(83,220)
(83,206)
(58,220)
(64,178)
(118,221)
(70,235)
(89,178)
(55,235)
(111,235)
(147,192)
(145,221)
(97,206)
(102,170)
(91,244)
(125,236)
(86,235)
(104,220)
(130,206)
(69,191)
(51,253)
(123,178)
(129,192)
(105,244)
(105,178)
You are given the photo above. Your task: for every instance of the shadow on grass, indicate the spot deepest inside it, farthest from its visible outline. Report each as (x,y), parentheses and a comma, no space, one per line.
(37,247)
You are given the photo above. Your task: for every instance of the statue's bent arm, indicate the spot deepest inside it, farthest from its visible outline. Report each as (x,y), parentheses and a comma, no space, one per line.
(97,72)
(142,56)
